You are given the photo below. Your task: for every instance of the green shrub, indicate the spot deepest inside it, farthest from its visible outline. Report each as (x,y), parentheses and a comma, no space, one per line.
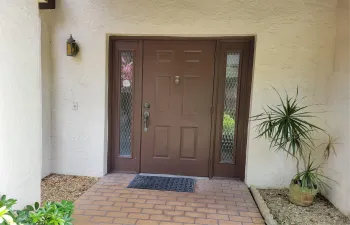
(228,125)
(51,213)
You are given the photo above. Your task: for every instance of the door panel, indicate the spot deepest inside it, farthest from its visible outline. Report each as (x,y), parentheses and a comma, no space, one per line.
(188,139)
(161,141)
(178,85)
(163,93)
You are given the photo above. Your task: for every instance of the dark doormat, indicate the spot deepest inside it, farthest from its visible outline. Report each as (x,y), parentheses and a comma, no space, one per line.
(163,183)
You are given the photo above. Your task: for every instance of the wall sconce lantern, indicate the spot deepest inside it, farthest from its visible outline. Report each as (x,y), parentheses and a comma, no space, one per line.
(72,47)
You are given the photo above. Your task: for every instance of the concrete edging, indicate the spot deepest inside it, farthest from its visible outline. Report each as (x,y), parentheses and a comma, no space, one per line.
(265,211)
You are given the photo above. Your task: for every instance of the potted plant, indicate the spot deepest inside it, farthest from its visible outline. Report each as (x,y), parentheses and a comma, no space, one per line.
(289,129)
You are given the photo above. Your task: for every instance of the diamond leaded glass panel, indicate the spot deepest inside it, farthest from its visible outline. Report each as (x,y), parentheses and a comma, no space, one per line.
(126,81)
(229,117)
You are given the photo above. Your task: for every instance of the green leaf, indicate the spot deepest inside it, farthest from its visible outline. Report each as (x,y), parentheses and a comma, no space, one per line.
(36,205)
(30,208)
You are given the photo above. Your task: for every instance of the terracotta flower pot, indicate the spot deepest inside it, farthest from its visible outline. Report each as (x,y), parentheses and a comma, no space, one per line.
(301,196)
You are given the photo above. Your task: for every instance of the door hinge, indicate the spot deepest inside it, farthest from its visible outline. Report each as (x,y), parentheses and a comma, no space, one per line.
(212,109)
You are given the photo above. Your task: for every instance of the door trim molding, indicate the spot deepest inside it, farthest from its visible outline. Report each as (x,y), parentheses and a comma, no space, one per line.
(184,38)
(112,39)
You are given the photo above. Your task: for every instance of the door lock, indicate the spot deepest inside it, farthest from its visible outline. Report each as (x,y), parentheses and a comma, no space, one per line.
(177,79)
(146,105)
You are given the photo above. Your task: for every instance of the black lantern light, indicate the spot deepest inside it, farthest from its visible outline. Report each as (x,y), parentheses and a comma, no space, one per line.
(72,47)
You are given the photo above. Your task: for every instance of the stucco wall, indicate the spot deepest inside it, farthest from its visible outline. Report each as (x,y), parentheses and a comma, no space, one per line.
(294,46)
(20,101)
(45,17)
(339,112)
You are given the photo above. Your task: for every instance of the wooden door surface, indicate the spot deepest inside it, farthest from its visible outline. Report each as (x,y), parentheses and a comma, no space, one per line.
(177,96)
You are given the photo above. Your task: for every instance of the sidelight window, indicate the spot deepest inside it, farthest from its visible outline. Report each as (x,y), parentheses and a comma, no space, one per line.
(229,114)
(126,89)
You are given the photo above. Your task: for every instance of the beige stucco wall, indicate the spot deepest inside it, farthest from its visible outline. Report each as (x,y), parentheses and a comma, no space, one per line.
(294,46)
(45,16)
(20,101)
(338,167)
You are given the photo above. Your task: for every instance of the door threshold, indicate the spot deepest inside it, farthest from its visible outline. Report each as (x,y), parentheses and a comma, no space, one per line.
(168,175)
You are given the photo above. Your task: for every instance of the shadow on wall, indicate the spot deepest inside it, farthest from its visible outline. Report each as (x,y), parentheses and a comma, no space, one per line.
(339,111)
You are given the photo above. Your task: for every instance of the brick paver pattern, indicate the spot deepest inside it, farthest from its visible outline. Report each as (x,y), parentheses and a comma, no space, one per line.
(220,202)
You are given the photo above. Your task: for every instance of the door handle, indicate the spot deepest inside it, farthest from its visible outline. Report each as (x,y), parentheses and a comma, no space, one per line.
(145,120)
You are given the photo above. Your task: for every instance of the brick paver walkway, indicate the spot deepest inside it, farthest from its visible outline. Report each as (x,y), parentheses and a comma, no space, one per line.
(222,202)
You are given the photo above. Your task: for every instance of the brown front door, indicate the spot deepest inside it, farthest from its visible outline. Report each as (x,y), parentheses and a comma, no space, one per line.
(195,93)
(177,94)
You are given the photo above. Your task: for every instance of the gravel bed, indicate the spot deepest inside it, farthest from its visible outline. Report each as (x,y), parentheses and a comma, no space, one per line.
(321,212)
(57,187)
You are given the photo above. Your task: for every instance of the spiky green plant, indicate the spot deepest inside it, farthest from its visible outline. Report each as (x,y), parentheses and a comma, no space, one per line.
(288,129)
(312,177)
(330,146)
(286,125)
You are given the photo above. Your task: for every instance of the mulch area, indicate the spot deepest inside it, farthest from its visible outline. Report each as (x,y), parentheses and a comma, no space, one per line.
(57,187)
(321,212)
